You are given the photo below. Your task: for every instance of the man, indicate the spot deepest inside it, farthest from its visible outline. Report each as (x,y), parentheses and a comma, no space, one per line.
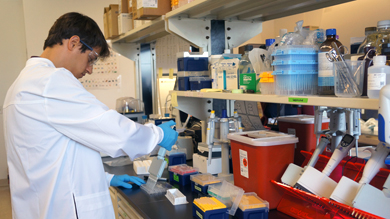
(55,129)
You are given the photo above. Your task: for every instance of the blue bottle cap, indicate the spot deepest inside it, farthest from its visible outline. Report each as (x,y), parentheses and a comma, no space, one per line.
(144,117)
(330,32)
(166,114)
(224,113)
(269,42)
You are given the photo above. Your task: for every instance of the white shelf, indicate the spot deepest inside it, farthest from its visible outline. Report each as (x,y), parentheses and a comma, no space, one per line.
(224,10)
(331,101)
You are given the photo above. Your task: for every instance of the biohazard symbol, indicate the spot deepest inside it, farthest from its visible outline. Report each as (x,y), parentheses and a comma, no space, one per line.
(245,162)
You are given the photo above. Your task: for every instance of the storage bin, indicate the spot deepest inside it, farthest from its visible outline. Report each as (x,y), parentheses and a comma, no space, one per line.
(302,126)
(209,208)
(200,182)
(193,64)
(198,83)
(295,49)
(349,78)
(180,174)
(251,206)
(259,157)
(295,84)
(183,78)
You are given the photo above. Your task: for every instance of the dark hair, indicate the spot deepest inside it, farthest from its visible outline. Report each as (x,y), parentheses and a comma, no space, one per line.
(74,23)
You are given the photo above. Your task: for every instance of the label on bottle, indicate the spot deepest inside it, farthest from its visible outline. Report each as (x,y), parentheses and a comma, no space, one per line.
(376,81)
(325,70)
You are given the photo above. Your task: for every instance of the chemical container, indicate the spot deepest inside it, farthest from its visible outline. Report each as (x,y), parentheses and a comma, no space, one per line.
(259,157)
(180,174)
(300,83)
(302,126)
(251,206)
(200,182)
(209,208)
(198,83)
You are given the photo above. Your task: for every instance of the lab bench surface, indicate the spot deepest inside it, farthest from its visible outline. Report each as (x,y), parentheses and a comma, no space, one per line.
(158,206)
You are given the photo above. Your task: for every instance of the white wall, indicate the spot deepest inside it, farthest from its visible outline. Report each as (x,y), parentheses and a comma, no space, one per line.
(349,19)
(12,59)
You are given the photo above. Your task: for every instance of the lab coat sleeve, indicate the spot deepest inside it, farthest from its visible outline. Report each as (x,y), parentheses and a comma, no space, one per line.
(77,114)
(109,178)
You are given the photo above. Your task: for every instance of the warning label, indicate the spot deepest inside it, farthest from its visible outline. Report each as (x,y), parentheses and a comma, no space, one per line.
(244,163)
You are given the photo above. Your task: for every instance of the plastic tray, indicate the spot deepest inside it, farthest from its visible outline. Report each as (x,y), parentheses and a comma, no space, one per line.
(295,72)
(298,84)
(205,179)
(295,49)
(294,62)
(228,194)
(176,197)
(293,57)
(305,67)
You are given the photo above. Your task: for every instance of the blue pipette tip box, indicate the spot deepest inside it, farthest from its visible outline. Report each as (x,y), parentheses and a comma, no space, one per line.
(213,214)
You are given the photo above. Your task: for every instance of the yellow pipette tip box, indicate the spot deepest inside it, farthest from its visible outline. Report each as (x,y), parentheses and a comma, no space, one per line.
(206,208)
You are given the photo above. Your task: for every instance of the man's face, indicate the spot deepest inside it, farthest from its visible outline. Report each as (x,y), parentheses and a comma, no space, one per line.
(83,62)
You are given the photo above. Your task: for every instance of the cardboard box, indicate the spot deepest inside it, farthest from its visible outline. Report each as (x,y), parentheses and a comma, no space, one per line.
(113,13)
(123,6)
(105,22)
(125,23)
(151,9)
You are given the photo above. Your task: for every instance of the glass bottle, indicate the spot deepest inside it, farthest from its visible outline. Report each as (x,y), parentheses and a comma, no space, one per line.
(369,40)
(325,67)
(386,52)
(369,53)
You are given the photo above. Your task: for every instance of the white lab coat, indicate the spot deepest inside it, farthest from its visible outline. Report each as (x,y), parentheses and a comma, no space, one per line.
(54,131)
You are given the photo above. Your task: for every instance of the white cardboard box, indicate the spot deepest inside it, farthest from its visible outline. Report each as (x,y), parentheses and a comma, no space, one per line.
(125,23)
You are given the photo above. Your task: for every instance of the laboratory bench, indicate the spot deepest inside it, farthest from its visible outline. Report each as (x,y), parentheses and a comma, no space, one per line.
(141,205)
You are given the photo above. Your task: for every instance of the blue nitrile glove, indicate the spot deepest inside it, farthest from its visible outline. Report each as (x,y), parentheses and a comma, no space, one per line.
(170,135)
(122,180)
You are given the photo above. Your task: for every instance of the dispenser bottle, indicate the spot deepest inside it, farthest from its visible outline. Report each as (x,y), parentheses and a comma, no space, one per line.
(325,67)
(378,76)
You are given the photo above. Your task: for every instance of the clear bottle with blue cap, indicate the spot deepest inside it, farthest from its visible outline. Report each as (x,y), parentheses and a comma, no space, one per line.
(144,119)
(268,43)
(325,67)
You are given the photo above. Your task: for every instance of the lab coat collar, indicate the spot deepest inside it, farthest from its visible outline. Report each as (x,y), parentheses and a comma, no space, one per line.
(36,59)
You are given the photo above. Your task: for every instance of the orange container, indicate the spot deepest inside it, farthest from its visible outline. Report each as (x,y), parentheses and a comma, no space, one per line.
(259,157)
(301,126)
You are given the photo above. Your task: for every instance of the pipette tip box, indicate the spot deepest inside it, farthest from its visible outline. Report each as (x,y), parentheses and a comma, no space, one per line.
(251,206)
(200,182)
(176,157)
(209,208)
(180,174)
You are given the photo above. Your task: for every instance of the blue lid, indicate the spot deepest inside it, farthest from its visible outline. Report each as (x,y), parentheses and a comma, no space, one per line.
(166,114)
(224,113)
(269,42)
(144,117)
(330,32)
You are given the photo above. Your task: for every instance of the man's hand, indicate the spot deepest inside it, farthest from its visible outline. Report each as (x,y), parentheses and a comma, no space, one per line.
(122,180)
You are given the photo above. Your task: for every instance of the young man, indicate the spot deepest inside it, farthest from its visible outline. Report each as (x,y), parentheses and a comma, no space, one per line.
(55,129)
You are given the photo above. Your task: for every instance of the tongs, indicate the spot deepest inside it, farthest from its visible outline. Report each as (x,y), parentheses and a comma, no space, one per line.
(345,74)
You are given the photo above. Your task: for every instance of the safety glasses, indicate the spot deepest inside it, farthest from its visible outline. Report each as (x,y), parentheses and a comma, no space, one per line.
(93,56)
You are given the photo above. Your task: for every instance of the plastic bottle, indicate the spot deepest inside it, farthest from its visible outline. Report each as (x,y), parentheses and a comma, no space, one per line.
(369,40)
(268,43)
(246,72)
(325,67)
(378,76)
(369,53)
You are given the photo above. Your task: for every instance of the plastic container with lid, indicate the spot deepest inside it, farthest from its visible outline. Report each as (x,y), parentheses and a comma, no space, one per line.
(298,83)
(209,208)
(180,174)
(301,126)
(251,206)
(177,156)
(378,76)
(198,83)
(229,194)
(254,154)
(267,83)
(201,182)
(129,105)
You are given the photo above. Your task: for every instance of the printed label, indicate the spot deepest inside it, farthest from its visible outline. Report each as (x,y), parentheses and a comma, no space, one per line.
(325,67)
(198,188)
(297,100)
(244,163)
(376,81)
(176,178)
(291,131)
(147,4)
(199,215)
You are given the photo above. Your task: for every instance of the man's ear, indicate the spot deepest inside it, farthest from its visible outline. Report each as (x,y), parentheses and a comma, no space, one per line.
(74,43)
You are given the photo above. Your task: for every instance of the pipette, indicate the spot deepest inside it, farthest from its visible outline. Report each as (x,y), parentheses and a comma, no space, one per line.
(210,135)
